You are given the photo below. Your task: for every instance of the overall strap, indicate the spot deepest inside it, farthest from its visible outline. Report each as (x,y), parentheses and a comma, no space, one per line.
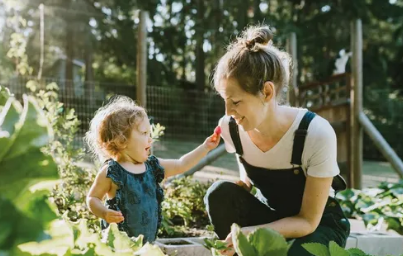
(299,138)
(338,183)
(234,132)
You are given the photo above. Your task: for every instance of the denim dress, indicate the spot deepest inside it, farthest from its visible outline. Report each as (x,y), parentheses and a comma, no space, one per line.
(138,197)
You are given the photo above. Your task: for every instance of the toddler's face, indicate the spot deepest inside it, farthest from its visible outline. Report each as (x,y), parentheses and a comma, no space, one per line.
(139,144)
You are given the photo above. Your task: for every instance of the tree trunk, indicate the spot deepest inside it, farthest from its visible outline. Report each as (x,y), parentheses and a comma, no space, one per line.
(243,15)
(142,50)
(200,58)
(257,15)
(217,13)
(170,56)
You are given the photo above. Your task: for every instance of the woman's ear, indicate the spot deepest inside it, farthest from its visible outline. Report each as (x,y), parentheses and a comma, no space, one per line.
(269,91)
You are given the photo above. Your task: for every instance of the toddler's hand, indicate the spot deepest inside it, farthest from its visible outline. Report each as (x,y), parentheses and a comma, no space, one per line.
(217,132)
(112,216)
(213,141)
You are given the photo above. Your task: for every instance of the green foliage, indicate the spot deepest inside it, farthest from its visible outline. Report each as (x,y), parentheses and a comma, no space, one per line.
(17,53)
(261,237)
(184,212)
(262,242)
(334,249)
(18,45)
(25,173)
(215,244)
(242,245)
(75,239)
(376,206)
(76,177)
(317,249)
(267,242)
(157,131)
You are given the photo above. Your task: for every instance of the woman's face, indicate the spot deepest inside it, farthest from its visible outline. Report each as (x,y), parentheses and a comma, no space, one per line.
(248,110)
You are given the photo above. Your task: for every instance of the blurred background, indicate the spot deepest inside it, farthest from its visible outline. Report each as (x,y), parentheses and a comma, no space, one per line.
(89,49)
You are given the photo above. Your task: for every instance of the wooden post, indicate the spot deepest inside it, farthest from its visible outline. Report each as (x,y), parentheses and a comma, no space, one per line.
(356,106)
(142,59)
(292,93)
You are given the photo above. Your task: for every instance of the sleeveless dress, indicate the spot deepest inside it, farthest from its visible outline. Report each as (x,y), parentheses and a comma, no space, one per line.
(138,197)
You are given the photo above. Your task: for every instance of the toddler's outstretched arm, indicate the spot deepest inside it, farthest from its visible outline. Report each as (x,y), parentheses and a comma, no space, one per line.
(189,160)
(99,188)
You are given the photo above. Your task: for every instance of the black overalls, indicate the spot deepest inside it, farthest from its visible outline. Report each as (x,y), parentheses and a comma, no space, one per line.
(279,195)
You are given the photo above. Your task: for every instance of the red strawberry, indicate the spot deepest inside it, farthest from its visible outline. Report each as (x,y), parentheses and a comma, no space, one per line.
(217,130)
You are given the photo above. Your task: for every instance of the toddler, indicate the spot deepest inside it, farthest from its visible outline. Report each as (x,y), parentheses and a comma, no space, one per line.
(119,135)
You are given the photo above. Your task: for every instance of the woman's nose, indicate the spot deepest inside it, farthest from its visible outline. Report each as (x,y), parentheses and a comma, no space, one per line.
(228,109)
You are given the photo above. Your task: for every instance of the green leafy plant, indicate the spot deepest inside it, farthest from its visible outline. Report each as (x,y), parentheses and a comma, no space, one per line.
(333,250)
(157,131)
(375,206)
(25,172)
(267,242)
(17,51)
(76,239)
(215,245)
(184,212)
(262,242)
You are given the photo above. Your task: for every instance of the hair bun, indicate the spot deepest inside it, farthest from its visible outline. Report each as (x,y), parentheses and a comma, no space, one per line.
(250,43)
(258,34)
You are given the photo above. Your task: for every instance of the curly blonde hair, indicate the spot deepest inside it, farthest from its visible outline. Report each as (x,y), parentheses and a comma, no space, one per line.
(111,127)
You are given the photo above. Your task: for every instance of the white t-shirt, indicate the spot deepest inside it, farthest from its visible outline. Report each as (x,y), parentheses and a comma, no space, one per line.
(319,157)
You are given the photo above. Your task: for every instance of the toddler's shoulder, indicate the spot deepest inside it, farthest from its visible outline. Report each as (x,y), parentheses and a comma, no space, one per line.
(112,170)
(156,168)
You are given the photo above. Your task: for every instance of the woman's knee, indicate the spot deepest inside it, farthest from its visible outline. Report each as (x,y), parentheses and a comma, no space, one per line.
(219,192)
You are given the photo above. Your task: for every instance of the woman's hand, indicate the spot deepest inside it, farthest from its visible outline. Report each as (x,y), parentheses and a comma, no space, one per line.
(112,216)
(231,251)
(243,185)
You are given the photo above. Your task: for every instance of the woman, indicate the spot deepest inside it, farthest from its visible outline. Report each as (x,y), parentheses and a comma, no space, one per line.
(288,154)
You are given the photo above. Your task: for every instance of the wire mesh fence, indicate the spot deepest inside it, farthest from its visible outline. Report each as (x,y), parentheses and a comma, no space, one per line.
(186,114)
